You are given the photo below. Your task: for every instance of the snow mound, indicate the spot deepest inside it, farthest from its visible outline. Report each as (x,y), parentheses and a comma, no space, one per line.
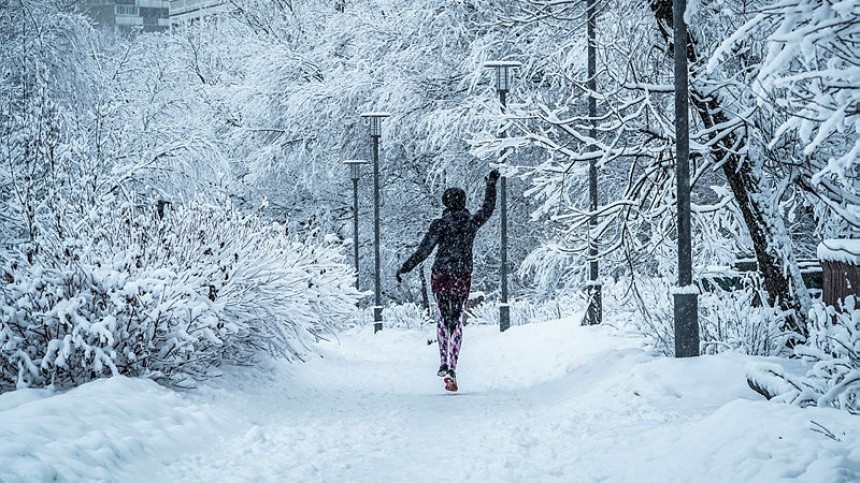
(747,440)
(98,431)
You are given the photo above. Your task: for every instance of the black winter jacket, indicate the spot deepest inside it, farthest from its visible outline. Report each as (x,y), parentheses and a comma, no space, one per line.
(454,233)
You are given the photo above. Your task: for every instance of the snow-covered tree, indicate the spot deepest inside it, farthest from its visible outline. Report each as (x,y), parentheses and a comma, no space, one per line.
(809,79)
(101,137)
(755,190)
(291,86)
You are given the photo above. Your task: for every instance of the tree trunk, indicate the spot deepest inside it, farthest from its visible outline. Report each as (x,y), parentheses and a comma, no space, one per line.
(760,210)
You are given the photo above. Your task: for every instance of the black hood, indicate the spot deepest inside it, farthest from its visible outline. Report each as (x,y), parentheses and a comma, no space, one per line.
(454,199)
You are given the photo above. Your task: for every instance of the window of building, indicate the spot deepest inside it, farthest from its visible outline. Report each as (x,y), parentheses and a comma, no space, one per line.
(126,10)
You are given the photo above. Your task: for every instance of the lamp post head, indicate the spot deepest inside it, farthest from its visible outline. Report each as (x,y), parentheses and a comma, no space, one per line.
(375,119)
(354,167)
(503,72)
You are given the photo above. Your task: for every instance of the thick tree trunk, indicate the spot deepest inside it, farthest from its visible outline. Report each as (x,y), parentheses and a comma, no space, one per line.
(760,210)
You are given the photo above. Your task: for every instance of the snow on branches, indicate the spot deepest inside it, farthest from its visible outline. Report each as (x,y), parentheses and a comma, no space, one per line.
(810,75)
(832,353)
(167,298)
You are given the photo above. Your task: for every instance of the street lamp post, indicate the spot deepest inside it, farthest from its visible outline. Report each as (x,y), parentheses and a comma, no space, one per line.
(685,295)
(354,172)
(594,313)
(375,120)
(503,78)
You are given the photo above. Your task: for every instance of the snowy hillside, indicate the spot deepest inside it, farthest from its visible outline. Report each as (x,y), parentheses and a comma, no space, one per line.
(543,402)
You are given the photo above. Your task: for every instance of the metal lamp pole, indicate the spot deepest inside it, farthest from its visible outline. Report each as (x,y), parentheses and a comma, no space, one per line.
(686,295)
(354,173)
(503,78)
(375,119)
(594,313)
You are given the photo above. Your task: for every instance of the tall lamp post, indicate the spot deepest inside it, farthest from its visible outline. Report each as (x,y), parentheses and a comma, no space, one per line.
(354,173)
(594,313)
(503,78)
(685,295)
(375,120)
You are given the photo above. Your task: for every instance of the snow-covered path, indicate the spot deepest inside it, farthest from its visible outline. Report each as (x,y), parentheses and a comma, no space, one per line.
(543,402)
(546,402)
(374,407)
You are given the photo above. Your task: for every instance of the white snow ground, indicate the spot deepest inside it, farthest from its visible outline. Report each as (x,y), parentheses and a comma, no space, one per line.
(543,402)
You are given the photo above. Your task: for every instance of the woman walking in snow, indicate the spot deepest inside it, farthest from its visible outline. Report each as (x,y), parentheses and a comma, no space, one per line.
(451,277)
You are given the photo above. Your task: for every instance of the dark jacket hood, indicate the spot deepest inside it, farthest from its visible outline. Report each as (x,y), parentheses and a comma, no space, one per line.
(454,199)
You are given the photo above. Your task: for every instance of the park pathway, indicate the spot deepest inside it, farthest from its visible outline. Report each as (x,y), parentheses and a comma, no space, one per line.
(544,402)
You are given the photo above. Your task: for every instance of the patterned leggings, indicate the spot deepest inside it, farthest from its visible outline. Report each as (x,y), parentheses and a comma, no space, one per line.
(449,336)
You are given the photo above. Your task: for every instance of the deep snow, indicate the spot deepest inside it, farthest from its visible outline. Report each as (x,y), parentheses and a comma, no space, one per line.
(544,402)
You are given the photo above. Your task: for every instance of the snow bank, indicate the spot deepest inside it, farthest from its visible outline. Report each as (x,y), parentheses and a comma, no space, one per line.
(840,250)
(747,440)
(102,430)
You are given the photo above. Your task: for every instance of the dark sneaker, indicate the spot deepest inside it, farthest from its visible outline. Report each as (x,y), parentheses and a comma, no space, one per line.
(443,370)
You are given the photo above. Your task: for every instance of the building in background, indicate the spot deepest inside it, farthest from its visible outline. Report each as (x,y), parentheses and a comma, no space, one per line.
(184,12)
(130,15)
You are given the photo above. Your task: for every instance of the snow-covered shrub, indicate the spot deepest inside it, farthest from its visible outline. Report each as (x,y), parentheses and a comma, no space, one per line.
(832,352)
(734,321)
(403,316)
(406,316)
(728,320)
(169,299)
(644,308)
(524,311)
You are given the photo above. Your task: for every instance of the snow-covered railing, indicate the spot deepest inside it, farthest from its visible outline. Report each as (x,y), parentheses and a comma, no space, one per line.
(840,261)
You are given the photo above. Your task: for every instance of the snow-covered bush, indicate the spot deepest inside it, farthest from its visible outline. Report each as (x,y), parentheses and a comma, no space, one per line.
(833,353)
(525,311)
(403,316)
(166,298)
(734,321)
(728,320)
(833,349)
